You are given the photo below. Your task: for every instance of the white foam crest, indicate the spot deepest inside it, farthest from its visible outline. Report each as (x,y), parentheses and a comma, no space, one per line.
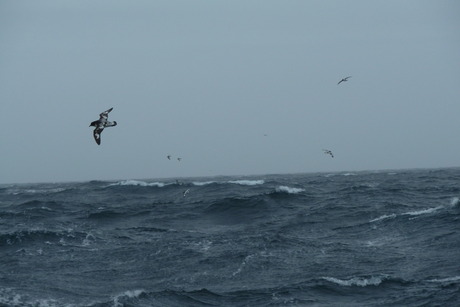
(247,182)
(448,279)
(286,189)
(130,294)
(201,183)
(426,211)
(9,298)
(454,201)
(356,281)
(139,183)
(36,191)
(383,217)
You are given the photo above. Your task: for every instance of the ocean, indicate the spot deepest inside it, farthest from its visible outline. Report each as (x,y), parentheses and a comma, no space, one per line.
(383,238)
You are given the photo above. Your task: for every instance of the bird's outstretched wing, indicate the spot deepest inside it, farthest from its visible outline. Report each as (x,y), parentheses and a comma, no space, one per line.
(344,79)
(110,124)
(105,114)
(97,134)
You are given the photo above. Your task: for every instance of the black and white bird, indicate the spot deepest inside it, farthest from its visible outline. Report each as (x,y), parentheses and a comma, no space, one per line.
(344,80)
(328,152)
(186,192)
(100,124)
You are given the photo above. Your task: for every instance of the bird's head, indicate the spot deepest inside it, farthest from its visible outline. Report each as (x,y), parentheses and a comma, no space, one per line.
(94,124)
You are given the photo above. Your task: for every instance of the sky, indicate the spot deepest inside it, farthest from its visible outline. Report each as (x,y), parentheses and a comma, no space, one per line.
(241,87)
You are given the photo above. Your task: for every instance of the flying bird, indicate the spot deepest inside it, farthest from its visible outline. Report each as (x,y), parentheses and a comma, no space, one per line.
(328,152)
(186,192)
(344,80)
(100,124)
(169,157)
(178,159)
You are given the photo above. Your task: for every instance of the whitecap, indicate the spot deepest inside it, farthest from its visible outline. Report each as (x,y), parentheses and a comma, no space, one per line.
(139,183)
(247,182)
(286,189)
(448,279)
(426,211)
(383,217)
(130,294)
(35,191)
(454,201)
(201,183)
(356,281)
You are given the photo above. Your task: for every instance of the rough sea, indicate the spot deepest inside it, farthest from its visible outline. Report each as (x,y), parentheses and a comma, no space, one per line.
(386,238)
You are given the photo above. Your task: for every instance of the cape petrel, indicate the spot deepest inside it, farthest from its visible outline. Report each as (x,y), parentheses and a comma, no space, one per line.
(100,124)
(344,80)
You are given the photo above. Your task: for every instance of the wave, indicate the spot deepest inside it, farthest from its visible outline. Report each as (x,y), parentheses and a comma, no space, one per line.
(37,208)
(202,183)
(446,280)
(425,211)
(358,281)
(26,238)
(128,297)
(19,191)
(453,202)
(383,217)
(247,182)
(164,298)
(138,183)
(240,182)
(411,213)
(8,297)
(289,190)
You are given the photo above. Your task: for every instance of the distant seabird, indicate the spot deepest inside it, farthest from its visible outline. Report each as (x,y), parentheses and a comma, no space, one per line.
(178,159)
(169,157)
(100,124)
(328,152)
(186,192)
(344,80)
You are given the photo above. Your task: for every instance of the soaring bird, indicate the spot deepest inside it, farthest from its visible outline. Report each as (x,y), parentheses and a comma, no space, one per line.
(100,124)
(169,157)
(344,80)
(328,152)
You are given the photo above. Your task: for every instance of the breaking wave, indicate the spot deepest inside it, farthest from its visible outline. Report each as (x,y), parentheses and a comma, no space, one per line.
(453,202)
(138,183)
(247,182)
(289,190)
(357,281)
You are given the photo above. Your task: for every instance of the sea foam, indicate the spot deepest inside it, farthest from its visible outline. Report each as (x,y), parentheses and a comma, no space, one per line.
(247,182)
(289,190)
(357,281)
(139,183)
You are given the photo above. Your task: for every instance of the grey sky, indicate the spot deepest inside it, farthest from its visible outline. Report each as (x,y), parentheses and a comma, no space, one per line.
(205,80)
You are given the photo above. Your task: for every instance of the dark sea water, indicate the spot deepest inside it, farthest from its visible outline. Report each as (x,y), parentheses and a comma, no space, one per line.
(389,238)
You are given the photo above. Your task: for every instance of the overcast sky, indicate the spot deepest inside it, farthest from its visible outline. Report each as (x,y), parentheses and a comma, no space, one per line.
(232,87)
